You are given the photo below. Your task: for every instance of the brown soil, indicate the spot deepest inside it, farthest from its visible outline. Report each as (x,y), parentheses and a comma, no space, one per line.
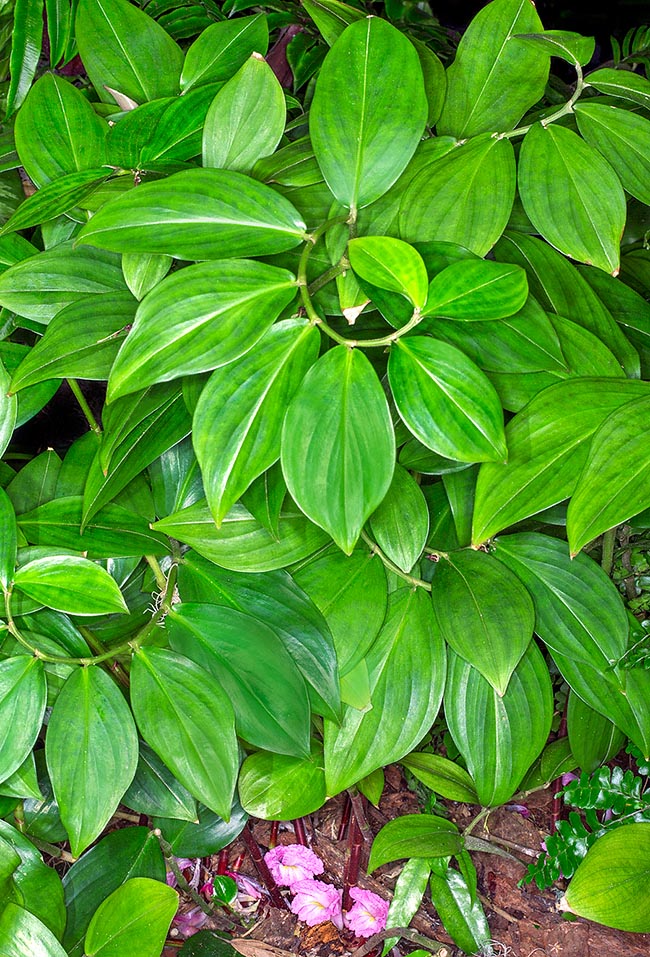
(524,921)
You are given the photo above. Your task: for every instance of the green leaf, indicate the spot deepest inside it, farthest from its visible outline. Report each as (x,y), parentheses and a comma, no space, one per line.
(91,748)
(331,17)
(477,290)
(623,84)
(445,400)
(246,118)
(82,341)
(390,264)
(400,524)
(37,886)
(209,836)
(623,138)
(135,917)
(555,760)
(265,687)
(499,736)
(362,148)
(71,584)
(23,783)
(8,409)
(462,915)
(8,542)
(238,420)
(572,196)
(222,49)
(56,198)
(125,50)
(143,271)
(609,886)
(605,496)
(22,707)
(338,444)
(278,787)
(593,738)
(155,791)
(206,944)
(495,77)
(407,897)
(406,670)
(441,775)
(184,714)
(22,933)
(209,314)
(120,855)
(445,201)
(565,44)
(546,450)
(414,836)
(26,41)
(197,214)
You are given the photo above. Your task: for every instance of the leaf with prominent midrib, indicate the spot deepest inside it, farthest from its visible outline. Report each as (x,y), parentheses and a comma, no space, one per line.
(623,138)
(136,916)
(221,49)
(23,694)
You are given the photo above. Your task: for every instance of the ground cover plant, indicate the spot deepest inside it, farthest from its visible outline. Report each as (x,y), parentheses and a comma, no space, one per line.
(356,315)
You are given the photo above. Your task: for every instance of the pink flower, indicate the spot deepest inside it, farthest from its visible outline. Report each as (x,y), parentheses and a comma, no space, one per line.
(315,902)
(289,863)
(189,923)
(368,914)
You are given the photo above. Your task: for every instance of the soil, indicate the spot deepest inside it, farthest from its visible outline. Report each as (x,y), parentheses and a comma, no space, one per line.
(524,921)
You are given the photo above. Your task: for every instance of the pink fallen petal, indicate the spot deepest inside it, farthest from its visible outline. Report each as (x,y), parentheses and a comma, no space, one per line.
(368,914)
(316,902)
(191,922)
(290,863)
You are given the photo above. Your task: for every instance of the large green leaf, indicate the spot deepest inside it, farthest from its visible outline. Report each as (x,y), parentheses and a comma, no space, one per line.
(237,423)
(200,318)
(368,112)
(623,138)
(475,290)
(495,78)
(499,736)
(390,264)
(26,40)
(197,214)
(484,613)
(9,541)
(58,132)
(460,910)
(409,891)
(155,791)
(246,118)
(546,450)
(445,201)
(36,886)
(400,524)
(594,739)
(22,707)
(222,48)
(278,787)
(184,714)
(614,484)
(624,84)
(122,854)
(134,918)
(242,543)
(414,836)
(265,687)
(56,198)
(406,672)
(338,444)
(610,884)
(8,409)
(22,933)
(572,195)
(91,748)
(445,400)
(71,584)
(123,49)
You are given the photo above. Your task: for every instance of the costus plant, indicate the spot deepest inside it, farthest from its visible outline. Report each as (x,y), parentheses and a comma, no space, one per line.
(363,366)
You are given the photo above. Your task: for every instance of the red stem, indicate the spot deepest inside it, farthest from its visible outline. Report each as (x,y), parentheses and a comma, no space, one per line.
(273,839)
(299,830)
(222,863)
(345,818)
(255,852)
(351,872)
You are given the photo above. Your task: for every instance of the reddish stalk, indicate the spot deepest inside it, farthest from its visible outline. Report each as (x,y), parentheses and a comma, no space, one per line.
(273,839)
(345,819)
(351,872)
(299,831)
(222,863)
(256,854)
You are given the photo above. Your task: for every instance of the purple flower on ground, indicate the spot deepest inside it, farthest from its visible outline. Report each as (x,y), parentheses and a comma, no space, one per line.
(289,863)
(568,777)
(368,914)
(315,902)
(519,808)
(189,923)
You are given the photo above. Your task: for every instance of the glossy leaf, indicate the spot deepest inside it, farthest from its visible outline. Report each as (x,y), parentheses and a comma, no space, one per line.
(338,444)
(8,542)
(221,49)
(445,400)
(572,196)
(209,314)
(390,264)
(495,77)
(56,198)
(126,50)
(461,912)
(331,17)
(400,524)
(136,916)
(406,670)
(91,748)
(185,716)
(409,890)
(546,450)
(623,138)
(565,44)
(484,613)
(22,707)
(189,215)
(155,791)
(278,787)
(71,584)
(414,836)
(36,885)
(477,290)
(143,271)
(246,118)
(363,149)
(441,775)
(593,738)
(635,87)
(209,836)
(445,201)
(609,885)
(499,736)
(8,409)
(26,42)
(22,933)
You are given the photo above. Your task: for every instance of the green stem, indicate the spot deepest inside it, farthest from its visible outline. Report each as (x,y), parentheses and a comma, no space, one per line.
(327,276)
(182,882)
(159,574)
(483,813)
(607,559)
(85,408)
(563,110)
(411,579)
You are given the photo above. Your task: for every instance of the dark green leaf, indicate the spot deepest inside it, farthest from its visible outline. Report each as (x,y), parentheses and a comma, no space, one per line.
(463,917)
(594,739)
(156,792)
(207,837)
(37,886)
(8,542)
(414,836)
(26,40)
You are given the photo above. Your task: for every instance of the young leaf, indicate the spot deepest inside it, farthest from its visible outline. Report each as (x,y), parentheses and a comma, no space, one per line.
(134,918)
(338,444)
(91,748)
(221,49)
(23,693)
(71,584)
(445,400)
(572,195)
(390,264)
(414,836)
(279,787)
(198,214)
(364,146)
(623,138)
(246,118)
(400,524)
(460,911)
(477,290)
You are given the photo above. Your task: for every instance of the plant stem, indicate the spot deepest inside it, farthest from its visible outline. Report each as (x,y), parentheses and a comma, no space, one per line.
(607,559)
(411,579)
(256,854)
(434,946)
(562,111)
(52,850)
(483,813)
(351,870)
(181,880)
(159,575)
(85,408)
